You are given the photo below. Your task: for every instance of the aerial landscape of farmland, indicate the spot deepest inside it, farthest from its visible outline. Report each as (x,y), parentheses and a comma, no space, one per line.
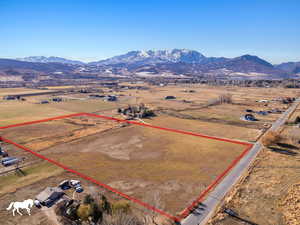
(149,112)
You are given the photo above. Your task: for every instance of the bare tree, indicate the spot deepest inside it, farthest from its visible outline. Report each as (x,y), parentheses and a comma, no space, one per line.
(225,98)
(271,138)
(222,99)
(294,135)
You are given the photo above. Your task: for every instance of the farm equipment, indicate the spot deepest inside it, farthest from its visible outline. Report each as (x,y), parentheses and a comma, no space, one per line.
(8,161)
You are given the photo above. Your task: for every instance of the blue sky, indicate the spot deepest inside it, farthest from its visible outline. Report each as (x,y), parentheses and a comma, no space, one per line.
(95,29)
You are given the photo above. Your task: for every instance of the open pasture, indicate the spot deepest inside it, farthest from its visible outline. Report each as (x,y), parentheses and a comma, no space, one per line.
(131,158)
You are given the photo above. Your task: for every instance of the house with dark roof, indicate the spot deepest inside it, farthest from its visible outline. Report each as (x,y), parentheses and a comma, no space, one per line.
(49,196)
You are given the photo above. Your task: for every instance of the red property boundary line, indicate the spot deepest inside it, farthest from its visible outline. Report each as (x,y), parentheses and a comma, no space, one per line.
(186,211)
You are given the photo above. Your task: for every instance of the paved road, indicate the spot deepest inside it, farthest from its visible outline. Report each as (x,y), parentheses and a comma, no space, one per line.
(203,213)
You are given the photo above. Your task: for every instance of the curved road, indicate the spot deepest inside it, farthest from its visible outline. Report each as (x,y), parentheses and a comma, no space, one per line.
(207,209)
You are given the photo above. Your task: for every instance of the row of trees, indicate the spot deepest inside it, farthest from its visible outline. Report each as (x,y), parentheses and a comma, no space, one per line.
(273,138)
(139,111)
(221,99)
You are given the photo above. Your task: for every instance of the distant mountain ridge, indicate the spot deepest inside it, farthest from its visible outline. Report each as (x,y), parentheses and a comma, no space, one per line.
(291,67)
(152,57)
(158,62)
(183,61)
(35,66)
(51,59)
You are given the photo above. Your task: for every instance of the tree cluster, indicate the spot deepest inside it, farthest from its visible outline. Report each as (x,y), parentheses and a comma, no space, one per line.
(93,212)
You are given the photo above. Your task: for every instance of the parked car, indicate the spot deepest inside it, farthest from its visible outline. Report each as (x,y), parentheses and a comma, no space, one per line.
(3,153)
(68,184)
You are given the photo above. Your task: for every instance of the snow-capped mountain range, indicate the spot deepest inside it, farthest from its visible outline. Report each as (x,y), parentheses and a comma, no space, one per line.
(175,61)
(51,59)
(152,57)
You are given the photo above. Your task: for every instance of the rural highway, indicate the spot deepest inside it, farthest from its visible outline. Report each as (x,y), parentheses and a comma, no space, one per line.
(207,209)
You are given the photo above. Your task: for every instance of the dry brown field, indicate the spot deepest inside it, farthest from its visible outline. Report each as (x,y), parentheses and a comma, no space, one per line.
(269,193)
(133,159)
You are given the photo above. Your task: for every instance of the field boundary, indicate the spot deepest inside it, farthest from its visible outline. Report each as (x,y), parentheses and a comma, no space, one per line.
(176,219)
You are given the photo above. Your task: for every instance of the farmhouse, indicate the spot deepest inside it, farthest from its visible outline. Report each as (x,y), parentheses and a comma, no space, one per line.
(140,111)
(49,196)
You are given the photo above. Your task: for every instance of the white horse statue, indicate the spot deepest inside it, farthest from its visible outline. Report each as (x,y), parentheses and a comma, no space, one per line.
(27,204)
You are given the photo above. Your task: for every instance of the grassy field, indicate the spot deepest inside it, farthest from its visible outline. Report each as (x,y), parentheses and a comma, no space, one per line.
(264,202)
(137,159)
(13,112)
(195,104)
(269,194)
(208,128)
(204,93)
(35,173)
(14,91)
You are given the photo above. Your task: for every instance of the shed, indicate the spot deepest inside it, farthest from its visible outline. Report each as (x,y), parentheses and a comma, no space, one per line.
(49,196)
(170,97)
(9,97)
